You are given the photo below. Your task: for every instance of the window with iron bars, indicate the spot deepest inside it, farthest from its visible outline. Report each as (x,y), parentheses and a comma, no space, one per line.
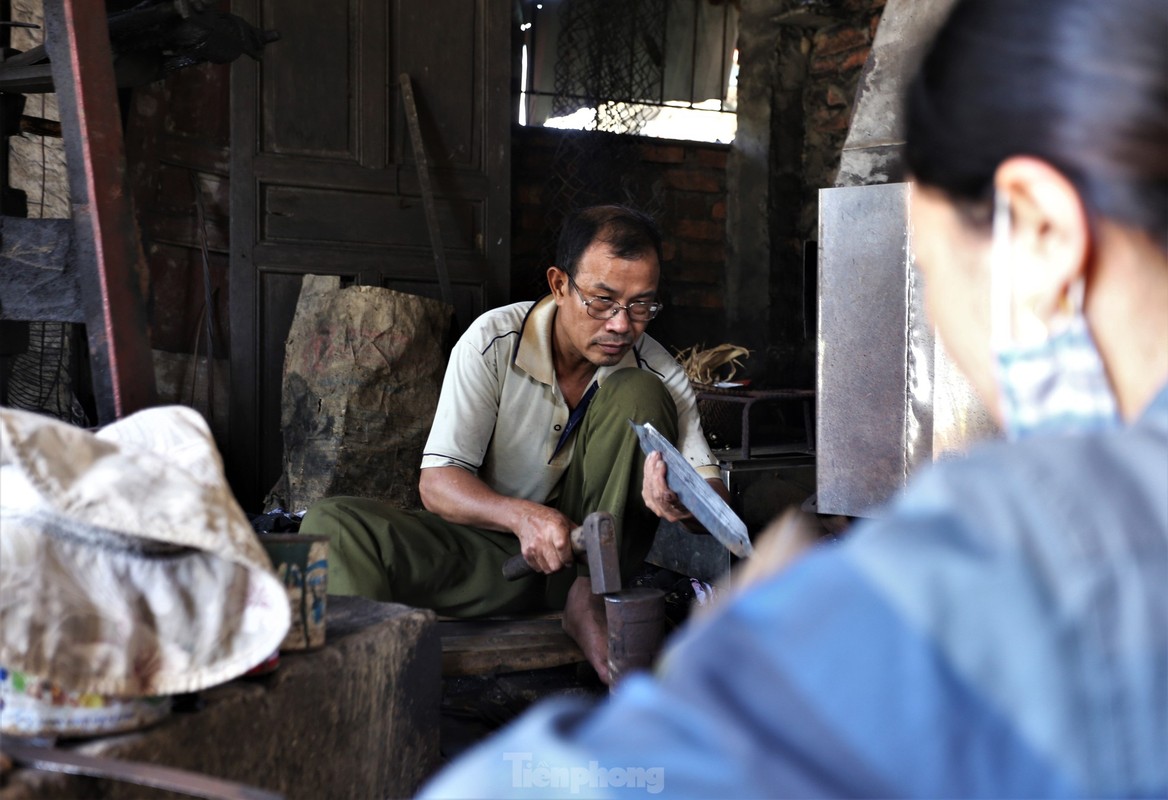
(664,68)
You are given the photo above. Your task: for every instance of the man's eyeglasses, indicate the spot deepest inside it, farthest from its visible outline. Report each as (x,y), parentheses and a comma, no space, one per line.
(607,308)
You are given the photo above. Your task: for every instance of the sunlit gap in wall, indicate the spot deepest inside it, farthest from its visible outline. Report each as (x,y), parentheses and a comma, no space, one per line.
(708,121)
(523,83)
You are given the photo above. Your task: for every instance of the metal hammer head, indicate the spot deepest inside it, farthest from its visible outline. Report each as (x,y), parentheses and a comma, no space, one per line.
(596,538)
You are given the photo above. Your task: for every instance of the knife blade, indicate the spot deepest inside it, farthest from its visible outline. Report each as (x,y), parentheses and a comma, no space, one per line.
(695,494)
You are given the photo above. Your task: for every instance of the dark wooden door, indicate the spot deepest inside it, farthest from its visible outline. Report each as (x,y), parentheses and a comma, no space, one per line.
(322,177)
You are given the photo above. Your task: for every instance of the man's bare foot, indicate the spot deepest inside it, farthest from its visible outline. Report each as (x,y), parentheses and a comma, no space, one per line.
(584,621)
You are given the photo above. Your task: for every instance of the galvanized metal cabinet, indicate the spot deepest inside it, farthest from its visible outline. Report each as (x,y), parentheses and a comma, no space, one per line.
(889,398)
(322,177)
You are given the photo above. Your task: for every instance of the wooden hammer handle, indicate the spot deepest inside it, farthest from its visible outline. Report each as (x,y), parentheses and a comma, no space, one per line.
(516,566)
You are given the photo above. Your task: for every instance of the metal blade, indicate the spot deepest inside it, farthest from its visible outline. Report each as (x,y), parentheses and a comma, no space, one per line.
(181,781)
(695,494)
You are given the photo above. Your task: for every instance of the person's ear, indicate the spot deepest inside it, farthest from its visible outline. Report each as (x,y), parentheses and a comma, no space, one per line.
(1050,233)
(558,283)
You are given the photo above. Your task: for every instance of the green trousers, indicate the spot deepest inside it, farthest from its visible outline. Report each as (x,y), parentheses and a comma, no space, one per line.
(419,559)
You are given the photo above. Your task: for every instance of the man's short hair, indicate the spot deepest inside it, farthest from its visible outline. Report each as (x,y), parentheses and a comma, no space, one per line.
(628,233)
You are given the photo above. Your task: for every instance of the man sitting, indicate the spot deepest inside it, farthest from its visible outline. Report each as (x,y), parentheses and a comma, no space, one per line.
(532,434)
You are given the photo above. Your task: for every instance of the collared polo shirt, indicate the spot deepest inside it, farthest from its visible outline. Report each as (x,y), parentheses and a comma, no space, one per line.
(501,414)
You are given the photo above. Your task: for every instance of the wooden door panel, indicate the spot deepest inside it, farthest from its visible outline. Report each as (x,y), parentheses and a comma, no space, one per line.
(323,179)
(299,214)
(368,261)
(314,79)
(448,89)
(394,179)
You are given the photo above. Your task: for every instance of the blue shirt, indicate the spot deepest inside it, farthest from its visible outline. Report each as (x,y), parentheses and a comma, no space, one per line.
(1001,632)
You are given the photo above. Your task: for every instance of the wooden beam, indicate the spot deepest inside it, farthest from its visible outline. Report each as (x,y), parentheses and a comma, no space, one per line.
(106,236)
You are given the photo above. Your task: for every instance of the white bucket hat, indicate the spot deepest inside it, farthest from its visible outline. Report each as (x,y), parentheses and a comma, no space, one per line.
(126,566)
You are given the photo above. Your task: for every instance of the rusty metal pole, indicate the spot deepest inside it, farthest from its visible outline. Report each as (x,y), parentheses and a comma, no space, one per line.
(109,250)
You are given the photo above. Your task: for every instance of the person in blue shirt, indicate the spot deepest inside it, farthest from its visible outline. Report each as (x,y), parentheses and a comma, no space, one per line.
(1002,629)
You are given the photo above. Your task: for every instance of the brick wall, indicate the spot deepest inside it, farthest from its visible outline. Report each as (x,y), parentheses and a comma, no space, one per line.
(820,55)
(682,184)
(838,54)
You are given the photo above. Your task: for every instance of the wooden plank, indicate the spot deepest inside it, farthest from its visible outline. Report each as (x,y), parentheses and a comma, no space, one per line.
(495,661)
(423,167)
(455,632)
(242,458)
(106,238)
(492,646)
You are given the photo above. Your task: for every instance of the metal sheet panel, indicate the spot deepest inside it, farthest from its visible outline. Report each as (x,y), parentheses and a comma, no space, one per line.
(889,398)
(862,369)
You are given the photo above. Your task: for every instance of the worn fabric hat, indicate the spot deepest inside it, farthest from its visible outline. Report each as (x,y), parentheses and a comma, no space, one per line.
(127,568)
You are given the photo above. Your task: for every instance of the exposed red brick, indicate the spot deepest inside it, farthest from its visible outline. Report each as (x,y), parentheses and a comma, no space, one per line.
(668,250)
(696,297)
(709,157)
(835,96)
(692,180)
(695,272)
(855,60)
(663,154)
(691,205)
(823,65)
(695,251)
(839,63)
(718,210)
(839,39)
(831,119)
(699,229)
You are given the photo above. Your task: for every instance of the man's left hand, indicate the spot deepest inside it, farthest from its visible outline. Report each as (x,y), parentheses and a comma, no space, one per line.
(658,497)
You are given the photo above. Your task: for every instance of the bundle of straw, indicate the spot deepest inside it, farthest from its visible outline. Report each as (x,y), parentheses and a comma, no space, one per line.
(710,365)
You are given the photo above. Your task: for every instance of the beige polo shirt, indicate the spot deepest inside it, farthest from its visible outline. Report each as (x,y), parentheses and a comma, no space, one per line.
(501,414)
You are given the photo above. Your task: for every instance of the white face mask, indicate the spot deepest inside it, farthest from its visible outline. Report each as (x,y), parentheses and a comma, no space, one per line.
(1051,378)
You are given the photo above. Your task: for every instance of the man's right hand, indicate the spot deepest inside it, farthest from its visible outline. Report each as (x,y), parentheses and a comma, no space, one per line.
(461,497)
(545,538)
